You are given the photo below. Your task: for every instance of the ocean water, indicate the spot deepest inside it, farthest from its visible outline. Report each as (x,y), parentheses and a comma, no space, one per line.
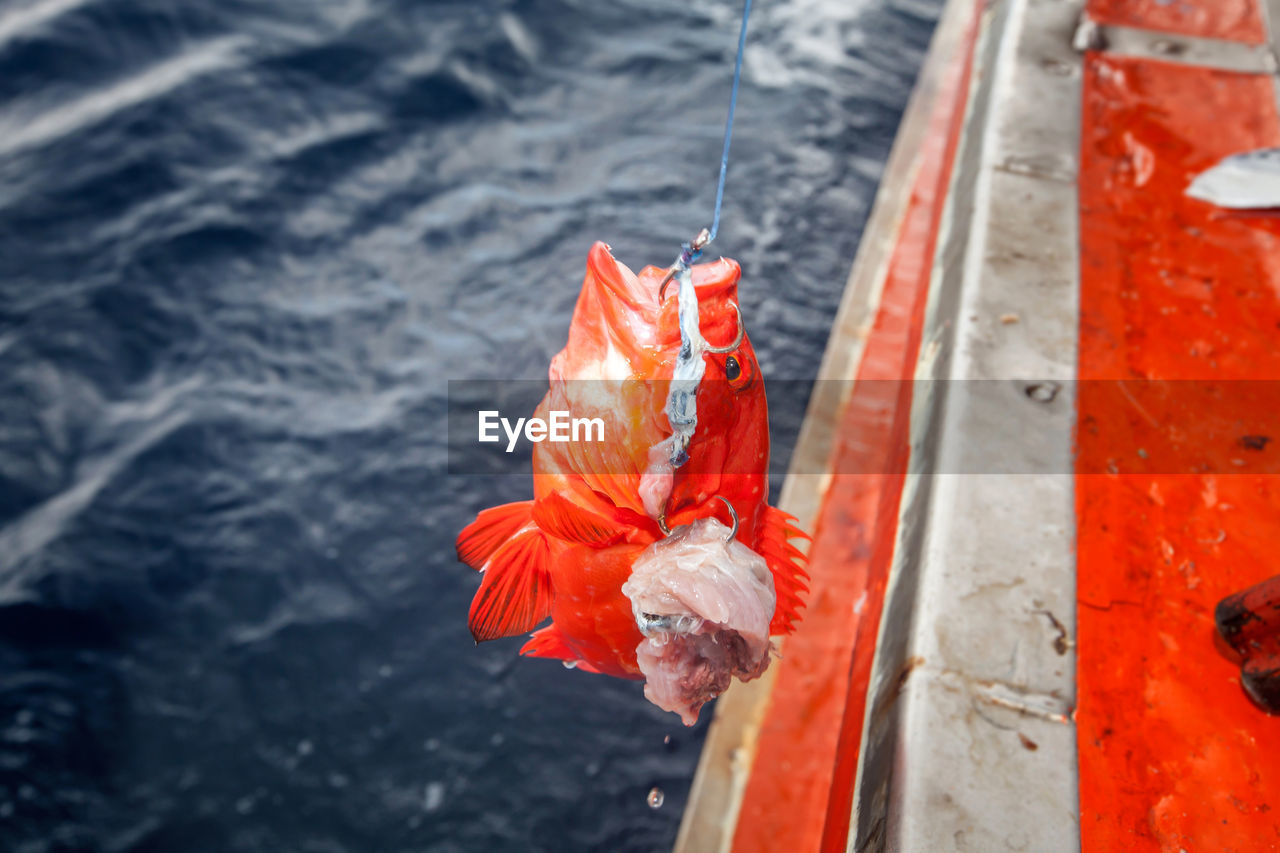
(243,248)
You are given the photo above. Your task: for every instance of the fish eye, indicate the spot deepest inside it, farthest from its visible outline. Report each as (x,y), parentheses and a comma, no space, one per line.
(732,370)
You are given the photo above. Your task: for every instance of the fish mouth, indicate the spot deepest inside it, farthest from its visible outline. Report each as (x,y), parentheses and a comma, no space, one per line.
(618,280)
(703,606)
(715,282)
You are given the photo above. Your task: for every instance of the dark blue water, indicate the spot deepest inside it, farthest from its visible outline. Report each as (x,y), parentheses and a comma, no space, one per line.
(243,246)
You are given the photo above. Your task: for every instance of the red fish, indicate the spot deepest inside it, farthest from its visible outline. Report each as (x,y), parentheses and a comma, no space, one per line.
(598,506)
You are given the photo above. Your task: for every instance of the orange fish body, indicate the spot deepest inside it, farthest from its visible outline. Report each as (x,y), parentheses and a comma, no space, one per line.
(598,505)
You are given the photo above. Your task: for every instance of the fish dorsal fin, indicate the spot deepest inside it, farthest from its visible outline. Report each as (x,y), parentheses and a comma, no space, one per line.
(515,594)
(562,518)
(548,642)
(787,563)
(492,527)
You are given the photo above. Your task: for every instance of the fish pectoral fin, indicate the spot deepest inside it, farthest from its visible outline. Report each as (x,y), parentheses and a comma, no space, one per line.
(787,563)
(515,593)
(548,642)
(562,518)
(492,528)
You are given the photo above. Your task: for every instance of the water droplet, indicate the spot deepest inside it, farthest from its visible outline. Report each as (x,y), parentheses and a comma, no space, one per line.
(570,664)
(655,798)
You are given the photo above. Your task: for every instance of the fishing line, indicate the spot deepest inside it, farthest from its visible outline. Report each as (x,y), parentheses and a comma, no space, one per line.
(682,405)
(692,250)
(728,125)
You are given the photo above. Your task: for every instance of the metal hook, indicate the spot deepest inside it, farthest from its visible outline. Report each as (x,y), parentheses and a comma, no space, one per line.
(737,342)
(690,253)
(733,513)
(662,288)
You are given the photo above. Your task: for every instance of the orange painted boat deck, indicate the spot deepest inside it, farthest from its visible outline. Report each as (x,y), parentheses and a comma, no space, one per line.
(1173,755)
(1236,20)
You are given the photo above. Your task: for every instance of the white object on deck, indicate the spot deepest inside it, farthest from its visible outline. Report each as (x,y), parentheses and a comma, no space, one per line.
(1247,181)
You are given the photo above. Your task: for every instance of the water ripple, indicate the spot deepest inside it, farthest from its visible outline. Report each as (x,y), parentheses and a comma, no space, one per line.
(26,128)
(242,248)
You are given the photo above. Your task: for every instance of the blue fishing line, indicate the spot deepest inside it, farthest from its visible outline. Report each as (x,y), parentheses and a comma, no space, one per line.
(692,250)
(682,406)
(728,125)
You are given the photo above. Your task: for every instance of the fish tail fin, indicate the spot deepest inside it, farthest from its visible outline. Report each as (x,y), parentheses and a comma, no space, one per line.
(492,528)
(515,593)
(787,563)
(548,642)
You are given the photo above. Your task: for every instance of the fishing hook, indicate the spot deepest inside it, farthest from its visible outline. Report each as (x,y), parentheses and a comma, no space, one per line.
(737,342)
(662,288)
(733,513)
(690,253)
